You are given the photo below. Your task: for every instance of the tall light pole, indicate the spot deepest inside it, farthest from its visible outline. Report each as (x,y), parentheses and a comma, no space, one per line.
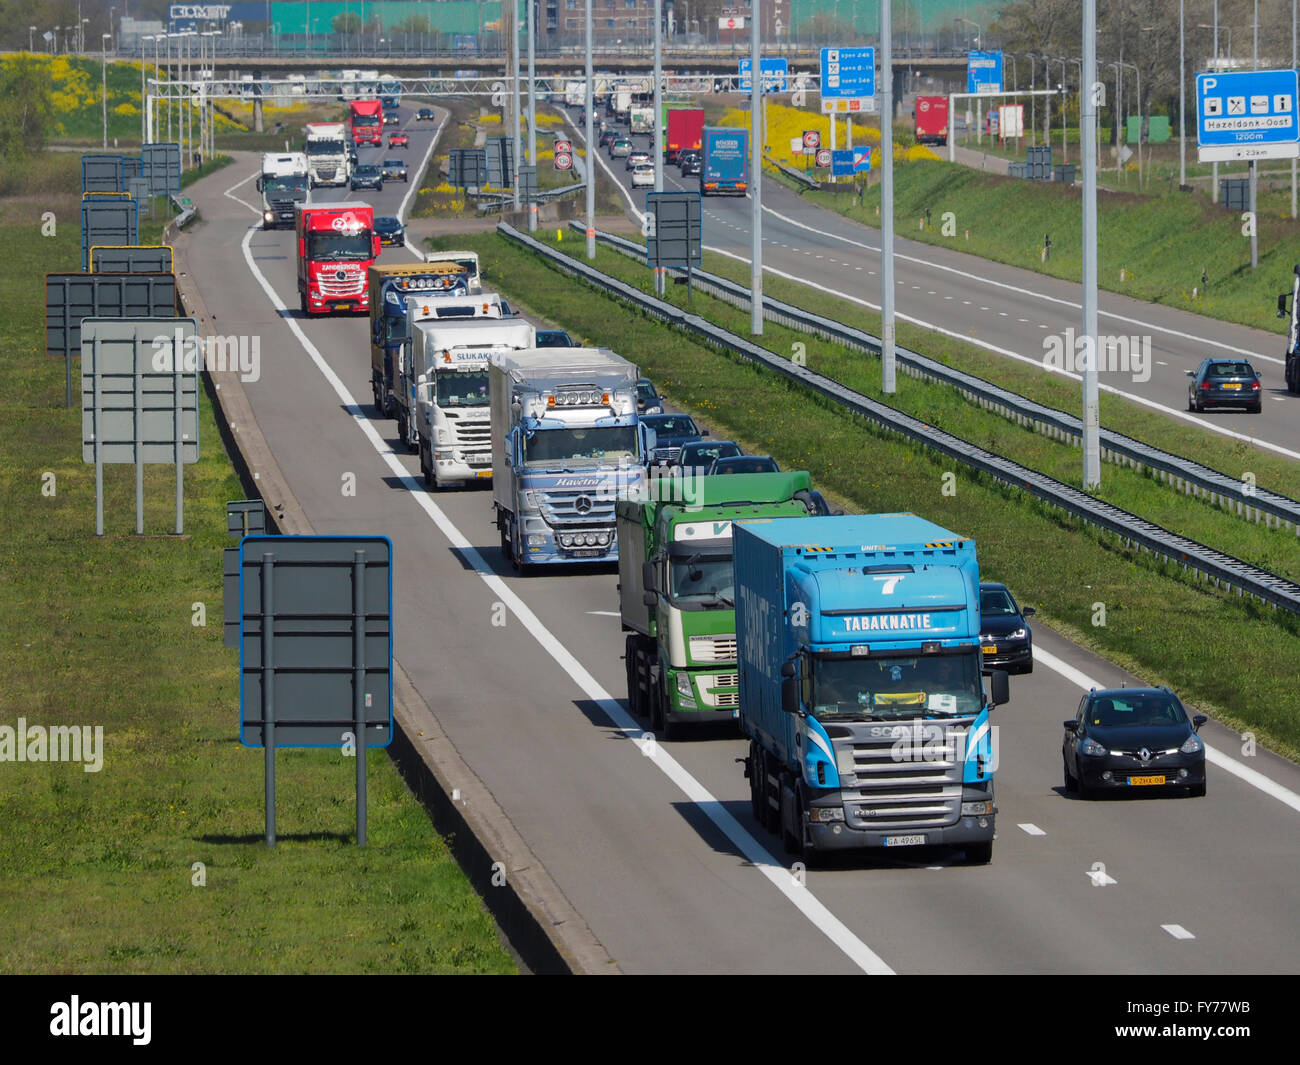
(756,174)
(144,99)
(31,30)
(1293,66)
(591,148)
(513,58)
(103,81)
(888,383)
(532,108)
(1088,106)
(1182,98)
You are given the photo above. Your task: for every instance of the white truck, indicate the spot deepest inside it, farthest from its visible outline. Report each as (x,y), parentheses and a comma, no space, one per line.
(450,362)
(643,120)
(327,154)
(622,104)
(575,93)
(466,260)
(566,444)
(283,182)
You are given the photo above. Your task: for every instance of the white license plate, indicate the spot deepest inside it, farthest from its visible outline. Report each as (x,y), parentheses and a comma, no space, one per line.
(904,841)
(483,459)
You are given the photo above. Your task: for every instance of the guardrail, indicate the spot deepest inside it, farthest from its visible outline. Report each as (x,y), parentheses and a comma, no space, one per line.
(497,203)
(1250,501)
(187,213)
(791,172)
(1223,569)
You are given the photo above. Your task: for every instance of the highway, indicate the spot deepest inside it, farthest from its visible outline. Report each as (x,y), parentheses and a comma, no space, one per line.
(1004,310)
(653,842)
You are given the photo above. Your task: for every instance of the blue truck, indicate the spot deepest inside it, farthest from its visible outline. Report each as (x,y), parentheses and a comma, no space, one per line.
(725,167)
(861,684)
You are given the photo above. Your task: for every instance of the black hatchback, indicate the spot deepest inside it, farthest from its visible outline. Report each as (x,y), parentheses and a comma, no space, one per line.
(1225,383)
(1123,739)
(367,176)
(1006,642)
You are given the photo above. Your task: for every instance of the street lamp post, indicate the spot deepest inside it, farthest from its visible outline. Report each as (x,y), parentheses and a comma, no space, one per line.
(144,99)
(31,30)
(103,81)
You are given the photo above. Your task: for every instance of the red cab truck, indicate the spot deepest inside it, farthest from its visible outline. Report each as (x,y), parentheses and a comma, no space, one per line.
(685,130)
(337,244)
(931,115)
(366,122)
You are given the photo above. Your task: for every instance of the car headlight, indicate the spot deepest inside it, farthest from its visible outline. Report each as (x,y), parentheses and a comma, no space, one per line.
(1192,745)
(1092,748)
(1019,634)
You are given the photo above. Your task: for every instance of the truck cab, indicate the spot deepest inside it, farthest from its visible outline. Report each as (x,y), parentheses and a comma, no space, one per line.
(337,244)
(283,183)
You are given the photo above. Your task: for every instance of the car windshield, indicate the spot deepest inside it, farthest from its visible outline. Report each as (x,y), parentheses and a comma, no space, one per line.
(746,464)
(468,388)
(1144,709)
(996,603)
(1230,369)
(709,452)
(673,425)
(560,448)
(394,162)
(894,688)
(706,580)
(646,391)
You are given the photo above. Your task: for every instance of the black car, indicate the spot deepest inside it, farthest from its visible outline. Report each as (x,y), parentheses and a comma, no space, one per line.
(394,170)
(1125,738)
(554,338)
(367,176)
(390,230)
(1005,640)
(606,135)
(671,432)
(647,398)
(690,161)
(1225,383)
(700,454)
(745,464)
(425,114)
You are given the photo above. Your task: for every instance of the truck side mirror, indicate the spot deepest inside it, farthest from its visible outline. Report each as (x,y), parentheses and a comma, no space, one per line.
(302,248)
(649,580)
(259,189)
(1001,687)
(790,695)
(374,245)
(1281,305)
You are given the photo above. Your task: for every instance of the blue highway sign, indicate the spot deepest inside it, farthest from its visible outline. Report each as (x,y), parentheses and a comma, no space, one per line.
(1249,114)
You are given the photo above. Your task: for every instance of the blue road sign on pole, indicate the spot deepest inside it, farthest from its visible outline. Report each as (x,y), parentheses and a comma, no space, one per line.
(848,80)
(984,72)
(1248,114)
(861,159)
(775,74)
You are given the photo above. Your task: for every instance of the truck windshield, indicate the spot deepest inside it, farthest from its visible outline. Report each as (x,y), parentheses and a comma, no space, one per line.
(365,120)
(325,148)
(573,447)
(468,388)
(702,581)
(290,183)
(337,246)
(889,688)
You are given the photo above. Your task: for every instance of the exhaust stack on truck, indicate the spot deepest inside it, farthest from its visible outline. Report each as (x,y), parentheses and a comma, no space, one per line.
(860,684)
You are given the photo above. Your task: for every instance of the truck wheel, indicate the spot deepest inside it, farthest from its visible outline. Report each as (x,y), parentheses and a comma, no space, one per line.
(401,428)
(792,842)
(979,853)
(757,802)
(505,543)
(633,682)
(656,715)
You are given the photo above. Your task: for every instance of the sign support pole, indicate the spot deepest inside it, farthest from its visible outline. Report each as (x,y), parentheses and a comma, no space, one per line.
(268,690)
(888,368)
(97,425)
(359,684)
(178,457)
(139,456)
(756,176)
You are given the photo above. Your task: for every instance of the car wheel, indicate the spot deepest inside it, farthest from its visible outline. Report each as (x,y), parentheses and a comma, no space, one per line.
(1191,403)
(1071,784)
(1197,791)
(979,853)
(1257,408)
(1085,792)
(1029,668)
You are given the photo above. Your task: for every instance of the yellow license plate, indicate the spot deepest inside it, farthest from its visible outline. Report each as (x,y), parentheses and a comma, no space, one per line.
(1232,384)
(990,649)
(1140,781)
(483,473)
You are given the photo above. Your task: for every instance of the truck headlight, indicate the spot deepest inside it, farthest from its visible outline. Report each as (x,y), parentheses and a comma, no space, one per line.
(268,216)
(825,814)
(684,684)
(976,809)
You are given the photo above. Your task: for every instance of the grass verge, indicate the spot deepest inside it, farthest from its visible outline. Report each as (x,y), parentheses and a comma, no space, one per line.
(99,867)
(1156,626)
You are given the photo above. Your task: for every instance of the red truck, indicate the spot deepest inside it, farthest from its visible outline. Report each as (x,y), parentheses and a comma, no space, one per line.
(685,130)
(337,244)
(366,121)
(931,114)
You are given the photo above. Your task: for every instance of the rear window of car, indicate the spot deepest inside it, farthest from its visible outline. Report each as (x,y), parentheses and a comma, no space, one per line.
(673,426)
(1230,369)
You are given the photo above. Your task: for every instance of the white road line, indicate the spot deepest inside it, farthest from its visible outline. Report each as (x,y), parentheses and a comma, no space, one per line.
(1032,829)
(605,613)
(1025,291)
(1150,404)
(401,211)
(228,194)
(1177,931)
(778,875)
(1099,877)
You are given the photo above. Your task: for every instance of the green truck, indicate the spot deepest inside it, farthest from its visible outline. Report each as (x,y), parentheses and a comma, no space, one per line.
(676,589)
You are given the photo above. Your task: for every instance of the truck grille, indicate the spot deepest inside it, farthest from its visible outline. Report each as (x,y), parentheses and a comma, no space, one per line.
(594,506)
(713,648)
(917,785)
(709,685)
(349,286)
(472,435)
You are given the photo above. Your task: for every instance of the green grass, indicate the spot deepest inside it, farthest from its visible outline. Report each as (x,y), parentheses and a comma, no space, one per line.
(98,867)
(944,407)
(1157,624)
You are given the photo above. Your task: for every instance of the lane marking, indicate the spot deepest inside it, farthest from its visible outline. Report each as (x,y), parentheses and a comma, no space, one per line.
(1101,878)
(1027,292)
(424,163)
(1150,404)
(753,852)
(1177,931)
(228,193)
(1032,829)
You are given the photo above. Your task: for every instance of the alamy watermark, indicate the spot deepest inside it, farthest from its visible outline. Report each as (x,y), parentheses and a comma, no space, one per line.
(215,354)
(1109,354)
(58,743)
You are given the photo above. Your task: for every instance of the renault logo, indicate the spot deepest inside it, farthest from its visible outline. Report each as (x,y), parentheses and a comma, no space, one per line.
(582,504)
(1144,754)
